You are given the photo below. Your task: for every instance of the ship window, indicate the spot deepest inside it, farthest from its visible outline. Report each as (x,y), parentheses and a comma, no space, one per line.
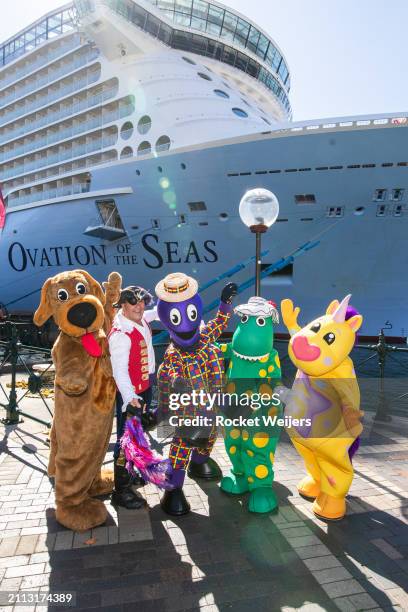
(189,61)
(397,195)
(354,166)
(368,166)
(182,219)
(155,224)
(381,210)
(204,76)
(282,220)
(109,213)
(379,195)
(126,130)
(308,198)
(144,124)
(162,144)
(126,152)
(398,210)
(359,210)
(402,164)
(196,206)
(220,93)
(387,165)
(183,166)
(144,148)
(335,211)
(286,271)
(223,216)
(239,112)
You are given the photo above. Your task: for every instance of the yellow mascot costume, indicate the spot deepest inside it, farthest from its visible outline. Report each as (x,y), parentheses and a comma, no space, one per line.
(84,393)
(324,404)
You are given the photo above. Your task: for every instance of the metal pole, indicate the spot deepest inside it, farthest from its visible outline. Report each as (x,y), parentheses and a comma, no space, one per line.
(12,414)
(382,412)
(258,264)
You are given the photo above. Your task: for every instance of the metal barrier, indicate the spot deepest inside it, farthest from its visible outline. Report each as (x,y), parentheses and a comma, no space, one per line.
(15,354)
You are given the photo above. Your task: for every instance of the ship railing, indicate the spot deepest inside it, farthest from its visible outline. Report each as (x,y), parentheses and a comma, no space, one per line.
(48,57)
(60,135)
(67,111)
(31,88)
(48,194)
(75,85)
(17,357)
(68,154)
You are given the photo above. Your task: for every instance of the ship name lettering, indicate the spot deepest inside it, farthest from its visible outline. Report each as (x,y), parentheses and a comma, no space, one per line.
(171,253)
(21,257)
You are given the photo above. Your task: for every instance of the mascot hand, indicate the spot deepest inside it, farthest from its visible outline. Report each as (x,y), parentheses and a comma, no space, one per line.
(72,385)
(352,419)
(228,293)
(290,315)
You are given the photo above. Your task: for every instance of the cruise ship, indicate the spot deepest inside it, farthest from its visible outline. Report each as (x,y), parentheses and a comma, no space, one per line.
(131,129)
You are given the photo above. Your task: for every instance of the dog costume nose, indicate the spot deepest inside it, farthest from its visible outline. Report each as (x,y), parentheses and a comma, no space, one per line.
(82,315)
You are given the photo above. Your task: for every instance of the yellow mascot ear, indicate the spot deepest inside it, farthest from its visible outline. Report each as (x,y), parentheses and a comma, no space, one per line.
(355,322)
(44,311)
(332,307)
(94,285)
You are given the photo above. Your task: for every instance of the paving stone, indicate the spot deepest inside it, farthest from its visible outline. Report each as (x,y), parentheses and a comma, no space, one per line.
(25,570)
(333,574)
(342,587)
(26,544)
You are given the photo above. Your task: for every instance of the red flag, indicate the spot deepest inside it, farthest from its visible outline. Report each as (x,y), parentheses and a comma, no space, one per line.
(2,211)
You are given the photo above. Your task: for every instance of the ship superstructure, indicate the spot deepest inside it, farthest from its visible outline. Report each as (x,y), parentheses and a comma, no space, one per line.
(129,131)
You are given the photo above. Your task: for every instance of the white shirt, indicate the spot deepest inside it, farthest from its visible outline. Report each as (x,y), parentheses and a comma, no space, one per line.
(119,346)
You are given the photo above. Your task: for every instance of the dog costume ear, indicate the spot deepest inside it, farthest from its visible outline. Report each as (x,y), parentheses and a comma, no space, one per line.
(44,311)
(94,285)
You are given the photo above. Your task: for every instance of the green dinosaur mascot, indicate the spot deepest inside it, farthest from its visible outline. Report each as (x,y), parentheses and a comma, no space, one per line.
(253,374)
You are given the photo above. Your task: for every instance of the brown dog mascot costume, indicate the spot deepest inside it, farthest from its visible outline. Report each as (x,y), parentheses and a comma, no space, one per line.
(84,393)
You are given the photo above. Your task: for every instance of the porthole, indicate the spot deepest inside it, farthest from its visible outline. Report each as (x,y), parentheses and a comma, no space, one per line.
(359,210)
(204,76)
(183,166)
(137,172)
(144,148)
(188,60)
(159,169)
(223,216)
(144,124)
(220,93)
(239,112)
(126,130)
(126,152)
(162,144)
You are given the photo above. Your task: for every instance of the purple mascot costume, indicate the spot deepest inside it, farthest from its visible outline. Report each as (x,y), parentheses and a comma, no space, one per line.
(192,362)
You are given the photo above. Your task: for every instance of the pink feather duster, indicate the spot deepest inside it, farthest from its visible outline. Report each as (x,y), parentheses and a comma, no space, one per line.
(139,456)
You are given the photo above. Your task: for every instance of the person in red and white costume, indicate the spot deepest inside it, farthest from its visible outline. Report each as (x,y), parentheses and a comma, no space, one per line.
(133,365)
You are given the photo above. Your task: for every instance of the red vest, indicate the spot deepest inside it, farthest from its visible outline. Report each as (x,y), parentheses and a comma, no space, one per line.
(138,359)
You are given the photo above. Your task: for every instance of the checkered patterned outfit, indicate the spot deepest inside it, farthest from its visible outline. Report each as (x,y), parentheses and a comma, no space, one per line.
(203,367)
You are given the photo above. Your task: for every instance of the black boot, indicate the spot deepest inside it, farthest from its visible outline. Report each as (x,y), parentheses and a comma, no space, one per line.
(174,503)
(123,495)
(208,470)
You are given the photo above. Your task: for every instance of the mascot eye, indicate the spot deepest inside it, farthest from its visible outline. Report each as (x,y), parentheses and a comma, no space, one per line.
(62,295)
(329,338)
(244,318)
(315,328)
(80,288)
(192,312)
(175,316)
(260,321)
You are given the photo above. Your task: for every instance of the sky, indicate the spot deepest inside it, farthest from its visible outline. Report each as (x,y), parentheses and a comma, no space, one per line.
(346,57)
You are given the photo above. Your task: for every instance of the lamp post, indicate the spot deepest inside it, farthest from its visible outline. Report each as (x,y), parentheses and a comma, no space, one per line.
(258,209)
